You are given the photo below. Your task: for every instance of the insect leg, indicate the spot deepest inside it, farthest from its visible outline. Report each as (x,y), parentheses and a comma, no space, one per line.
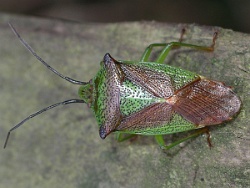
(120,136)
(148,51)
(161,142)
(170,45)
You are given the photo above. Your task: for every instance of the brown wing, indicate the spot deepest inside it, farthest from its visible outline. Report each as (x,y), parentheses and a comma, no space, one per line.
(206,102)
(155,82)
(154,115)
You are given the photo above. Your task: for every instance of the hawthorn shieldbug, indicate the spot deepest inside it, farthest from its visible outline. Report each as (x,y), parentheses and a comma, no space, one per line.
(150,98)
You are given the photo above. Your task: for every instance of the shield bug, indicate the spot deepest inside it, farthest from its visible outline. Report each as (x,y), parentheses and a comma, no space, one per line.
(150,98)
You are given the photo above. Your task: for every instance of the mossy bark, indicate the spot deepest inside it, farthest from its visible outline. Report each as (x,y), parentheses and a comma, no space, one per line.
(62,148)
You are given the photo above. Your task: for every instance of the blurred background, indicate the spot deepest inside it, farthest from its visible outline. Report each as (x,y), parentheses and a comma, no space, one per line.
(229,14)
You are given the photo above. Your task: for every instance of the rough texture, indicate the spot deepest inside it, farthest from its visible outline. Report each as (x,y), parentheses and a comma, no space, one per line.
(62,148)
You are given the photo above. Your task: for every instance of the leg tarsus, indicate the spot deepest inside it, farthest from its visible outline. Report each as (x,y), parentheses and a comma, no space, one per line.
(215,36)
(183,31)
(208,137)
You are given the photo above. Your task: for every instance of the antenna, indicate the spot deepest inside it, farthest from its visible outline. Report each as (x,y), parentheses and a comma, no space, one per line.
(73,81)
(70,101)
(28,47)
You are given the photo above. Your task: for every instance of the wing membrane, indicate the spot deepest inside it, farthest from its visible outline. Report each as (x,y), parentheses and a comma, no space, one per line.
(206,102)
